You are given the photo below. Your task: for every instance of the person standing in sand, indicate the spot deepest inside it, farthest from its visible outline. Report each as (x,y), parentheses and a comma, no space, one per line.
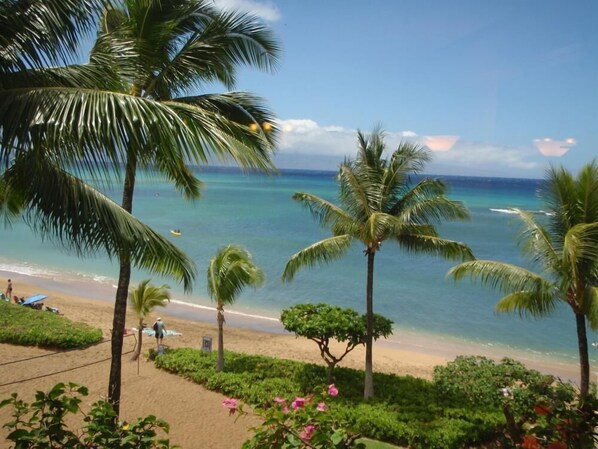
(160,330)
(9,290)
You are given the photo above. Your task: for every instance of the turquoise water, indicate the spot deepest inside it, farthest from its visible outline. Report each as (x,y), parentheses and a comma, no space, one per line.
(258,212)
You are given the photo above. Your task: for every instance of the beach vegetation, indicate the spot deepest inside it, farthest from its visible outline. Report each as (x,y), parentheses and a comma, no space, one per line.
(229,272)
(302,422)
(143,299)
(407,411)
(322,323)
(25,326)
(377,202)
(56,419)
(563,247)
(536,407)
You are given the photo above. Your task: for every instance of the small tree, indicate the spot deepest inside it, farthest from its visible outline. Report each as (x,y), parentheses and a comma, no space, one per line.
(230,270)
(144,299)
(322,322)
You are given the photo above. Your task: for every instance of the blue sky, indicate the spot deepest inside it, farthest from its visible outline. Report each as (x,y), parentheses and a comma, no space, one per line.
(494,88)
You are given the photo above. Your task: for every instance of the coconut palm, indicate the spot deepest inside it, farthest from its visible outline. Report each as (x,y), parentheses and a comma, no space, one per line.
(143,300)
(175,48)
(60,121)
(378,203)
(229,272)
(564,246)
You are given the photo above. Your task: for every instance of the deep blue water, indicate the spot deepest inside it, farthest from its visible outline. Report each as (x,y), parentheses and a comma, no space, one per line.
(257,212)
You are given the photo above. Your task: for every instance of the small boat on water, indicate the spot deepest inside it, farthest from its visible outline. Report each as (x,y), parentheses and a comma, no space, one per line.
(176,232)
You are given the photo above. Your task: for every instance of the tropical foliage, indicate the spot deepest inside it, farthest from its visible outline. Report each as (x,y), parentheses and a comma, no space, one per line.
(25,326)
(168,51)
(378,203)
(133,103)
(49,423)
(143,300)
(229,272)
(322,323)
(564,247)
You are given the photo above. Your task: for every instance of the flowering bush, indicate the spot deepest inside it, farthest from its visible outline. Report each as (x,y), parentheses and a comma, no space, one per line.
(556,419)
(302,422)
(42,423)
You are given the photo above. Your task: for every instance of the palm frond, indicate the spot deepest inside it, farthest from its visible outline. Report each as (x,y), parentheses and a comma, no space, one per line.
(65,209)
(40,33)
(504,277)
(229,272)
(146,297)
(537,242)
(580,251)
(590,306)
(324,251)
(325,212)
(535,304)
(434,245)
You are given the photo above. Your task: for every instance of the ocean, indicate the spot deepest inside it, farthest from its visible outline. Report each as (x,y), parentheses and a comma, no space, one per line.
(257,212)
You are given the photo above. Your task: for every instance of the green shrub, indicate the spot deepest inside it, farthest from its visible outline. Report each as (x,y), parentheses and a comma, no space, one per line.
(42,423)
(406,410)
(29,327)
(477,380)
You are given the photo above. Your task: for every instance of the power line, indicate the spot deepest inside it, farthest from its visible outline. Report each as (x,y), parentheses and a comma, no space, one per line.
(62,371)
(57,352)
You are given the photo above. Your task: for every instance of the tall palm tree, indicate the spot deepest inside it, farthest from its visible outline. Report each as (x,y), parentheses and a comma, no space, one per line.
(143,300)
(378,203)
(59,120)
(176,47)
(564,246)
(229,272)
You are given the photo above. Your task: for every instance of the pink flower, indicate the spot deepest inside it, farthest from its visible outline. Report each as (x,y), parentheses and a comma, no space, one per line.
(279,400)
(307,432)
(286,409)
(332,390)
(322,407)
(298,403)
(231,405)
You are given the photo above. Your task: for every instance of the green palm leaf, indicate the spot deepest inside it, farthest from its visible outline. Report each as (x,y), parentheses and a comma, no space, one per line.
(324,251)
(62,207)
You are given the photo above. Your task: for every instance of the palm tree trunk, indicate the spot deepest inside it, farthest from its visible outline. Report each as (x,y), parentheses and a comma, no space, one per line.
(137,352)
(584,361)
(368,390)
(220,360)
(122,291)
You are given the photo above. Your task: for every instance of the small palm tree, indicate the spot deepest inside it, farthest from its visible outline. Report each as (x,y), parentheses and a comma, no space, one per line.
(377,203)
(566,251)
(228,273)
(143,300)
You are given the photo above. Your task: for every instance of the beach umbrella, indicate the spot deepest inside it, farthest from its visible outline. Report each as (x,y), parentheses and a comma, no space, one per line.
(33,299)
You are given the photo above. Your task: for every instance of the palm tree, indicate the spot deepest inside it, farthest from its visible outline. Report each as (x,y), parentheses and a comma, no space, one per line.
(59,120)
(378,203)
(565,248)
(230,270)
(176,47)
(143,300)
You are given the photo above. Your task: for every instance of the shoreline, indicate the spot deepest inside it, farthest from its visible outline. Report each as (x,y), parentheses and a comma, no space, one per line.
(423,350)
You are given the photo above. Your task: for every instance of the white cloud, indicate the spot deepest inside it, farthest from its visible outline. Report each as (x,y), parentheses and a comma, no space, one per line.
(554,148)
(313,146)
(265,10)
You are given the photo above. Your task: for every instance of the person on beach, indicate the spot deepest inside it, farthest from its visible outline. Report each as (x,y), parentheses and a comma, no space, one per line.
(9,289)
(159,329)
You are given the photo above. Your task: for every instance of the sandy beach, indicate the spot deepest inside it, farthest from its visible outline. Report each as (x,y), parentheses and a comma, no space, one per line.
(196,416)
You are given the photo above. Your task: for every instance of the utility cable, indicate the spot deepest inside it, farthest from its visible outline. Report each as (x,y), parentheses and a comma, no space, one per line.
(57,352)
(62,371)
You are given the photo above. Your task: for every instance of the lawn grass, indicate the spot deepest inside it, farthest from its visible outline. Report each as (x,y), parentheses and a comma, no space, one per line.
(25,326)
